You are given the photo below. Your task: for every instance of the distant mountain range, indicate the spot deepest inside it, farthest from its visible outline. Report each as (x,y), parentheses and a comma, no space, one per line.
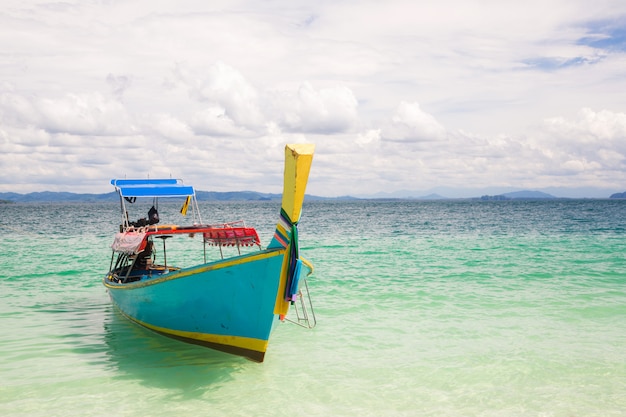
(53,197)
(56,197)
(441,192)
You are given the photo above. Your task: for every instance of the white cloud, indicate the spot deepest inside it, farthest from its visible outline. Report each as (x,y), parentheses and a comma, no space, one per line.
(591,127)
(119,84)
(82,114)
(214,121)
(397,95)
(328,110)
(368,138)
(592,142)
(226,88)
(167,127)
(411,124)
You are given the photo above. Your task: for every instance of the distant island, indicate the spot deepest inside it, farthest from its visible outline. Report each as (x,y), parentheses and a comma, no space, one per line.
(518,195)
(66,197)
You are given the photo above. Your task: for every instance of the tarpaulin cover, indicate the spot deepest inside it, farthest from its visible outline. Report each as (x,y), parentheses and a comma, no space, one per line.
(128,242)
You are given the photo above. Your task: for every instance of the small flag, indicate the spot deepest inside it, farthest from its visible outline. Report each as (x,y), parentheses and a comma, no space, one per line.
(183,209)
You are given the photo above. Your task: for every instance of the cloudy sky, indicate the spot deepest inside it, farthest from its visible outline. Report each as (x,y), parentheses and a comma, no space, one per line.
(452,95)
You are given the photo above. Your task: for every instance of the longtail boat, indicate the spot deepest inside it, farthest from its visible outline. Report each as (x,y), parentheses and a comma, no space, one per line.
(230,303)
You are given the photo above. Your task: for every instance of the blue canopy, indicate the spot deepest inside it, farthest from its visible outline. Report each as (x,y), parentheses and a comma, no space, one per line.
(168,187)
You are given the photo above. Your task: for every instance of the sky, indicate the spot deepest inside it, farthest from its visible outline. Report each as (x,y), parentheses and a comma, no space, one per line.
(400,97)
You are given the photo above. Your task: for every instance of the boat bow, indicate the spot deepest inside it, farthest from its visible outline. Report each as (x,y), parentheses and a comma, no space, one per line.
(298,159)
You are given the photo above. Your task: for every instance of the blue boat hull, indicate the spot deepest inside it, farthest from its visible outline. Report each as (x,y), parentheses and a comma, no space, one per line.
(228,305)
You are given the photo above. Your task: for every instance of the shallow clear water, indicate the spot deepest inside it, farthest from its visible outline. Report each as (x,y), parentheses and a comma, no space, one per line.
(424,309)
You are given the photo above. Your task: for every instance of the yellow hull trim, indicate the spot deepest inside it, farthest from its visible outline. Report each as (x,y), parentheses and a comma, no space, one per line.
(220,342)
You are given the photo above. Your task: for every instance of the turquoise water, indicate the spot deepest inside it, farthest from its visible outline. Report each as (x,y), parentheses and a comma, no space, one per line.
(424,309)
